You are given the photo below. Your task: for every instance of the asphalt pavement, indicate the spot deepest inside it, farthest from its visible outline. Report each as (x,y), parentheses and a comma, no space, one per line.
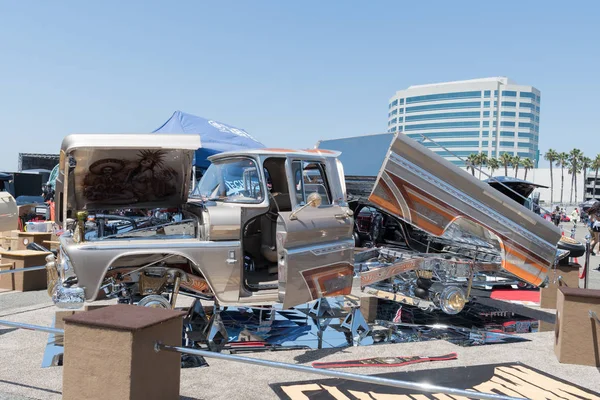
(21,354)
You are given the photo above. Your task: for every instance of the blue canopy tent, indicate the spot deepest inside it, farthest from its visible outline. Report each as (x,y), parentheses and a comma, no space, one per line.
(215,137)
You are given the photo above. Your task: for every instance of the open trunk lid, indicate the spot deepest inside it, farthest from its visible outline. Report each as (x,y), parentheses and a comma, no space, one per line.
(110,171)
(431,193)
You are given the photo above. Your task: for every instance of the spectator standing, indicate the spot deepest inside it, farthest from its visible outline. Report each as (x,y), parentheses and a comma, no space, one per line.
(575,216)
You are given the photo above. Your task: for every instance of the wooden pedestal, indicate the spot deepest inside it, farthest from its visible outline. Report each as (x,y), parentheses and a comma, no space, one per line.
(577,335)
(109,354)
(24,281)
(570,276)
(368,307)
(24,238)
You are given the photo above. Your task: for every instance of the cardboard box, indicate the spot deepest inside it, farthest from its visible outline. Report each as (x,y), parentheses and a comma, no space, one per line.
(577,335)
(29,280)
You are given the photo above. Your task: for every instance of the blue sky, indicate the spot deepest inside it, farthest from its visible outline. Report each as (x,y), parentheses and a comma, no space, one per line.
(290,73)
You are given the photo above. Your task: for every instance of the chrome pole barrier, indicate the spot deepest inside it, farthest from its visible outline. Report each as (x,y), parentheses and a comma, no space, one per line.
(586,267)
(30,327)
(14,271)
(424,387)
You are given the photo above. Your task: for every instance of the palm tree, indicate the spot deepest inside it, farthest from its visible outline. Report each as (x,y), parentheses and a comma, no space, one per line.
(586,163)
(472,161)
(482,159)
(493,164)
(505,160)
(574,167)
(551,156)
(527,165)
(595,165)
(562,161)
(516,160)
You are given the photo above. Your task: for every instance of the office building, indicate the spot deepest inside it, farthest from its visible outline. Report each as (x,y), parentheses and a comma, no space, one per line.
(456,119)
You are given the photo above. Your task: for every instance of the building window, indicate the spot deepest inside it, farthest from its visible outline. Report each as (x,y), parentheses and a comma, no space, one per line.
(525,145)
(537,119)
(538,98)
(509,104)
(525,125)
(537,109)
(507,123)
(486,104)
(495,114)
(507,134)
(484,143)
(451,152)
(443,125)
(525,115)
(495,93)
(400,119)
(524,155)
(509,93)
(443,96)
(440,144)
(400,110)
(393,121)
(394,103)
(486,113)
(524,135)
(508,113)
(487,93)
(401,101)
(528,95)
(486,124)
(526,105)
(466,114)
(393,129)
(444,106)
(440,135)
(507,144)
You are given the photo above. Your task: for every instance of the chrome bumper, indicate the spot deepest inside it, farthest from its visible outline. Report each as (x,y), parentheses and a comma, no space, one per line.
(63,297)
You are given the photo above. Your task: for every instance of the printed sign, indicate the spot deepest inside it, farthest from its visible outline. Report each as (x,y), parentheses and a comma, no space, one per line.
(512,379)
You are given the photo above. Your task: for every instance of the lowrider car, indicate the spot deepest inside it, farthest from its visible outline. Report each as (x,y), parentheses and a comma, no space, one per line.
(274,225)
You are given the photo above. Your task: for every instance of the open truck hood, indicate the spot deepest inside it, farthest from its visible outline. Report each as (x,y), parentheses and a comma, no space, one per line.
(109,171)
(431,193)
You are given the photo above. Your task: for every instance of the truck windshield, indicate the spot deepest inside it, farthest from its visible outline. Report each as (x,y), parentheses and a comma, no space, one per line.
(236,180)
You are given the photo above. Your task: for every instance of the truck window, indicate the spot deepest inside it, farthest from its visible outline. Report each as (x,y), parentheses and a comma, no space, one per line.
(235,180)
(310,177)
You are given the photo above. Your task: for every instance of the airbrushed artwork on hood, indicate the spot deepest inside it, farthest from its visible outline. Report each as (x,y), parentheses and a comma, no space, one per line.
(147,178)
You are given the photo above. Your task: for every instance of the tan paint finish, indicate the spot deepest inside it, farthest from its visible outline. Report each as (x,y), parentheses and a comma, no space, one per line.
(431,193)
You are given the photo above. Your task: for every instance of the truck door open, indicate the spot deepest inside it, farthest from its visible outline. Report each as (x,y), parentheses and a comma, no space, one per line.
(314,240)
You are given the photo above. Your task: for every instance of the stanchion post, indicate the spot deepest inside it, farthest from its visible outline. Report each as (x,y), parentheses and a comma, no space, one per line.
(587,262)
(116,344)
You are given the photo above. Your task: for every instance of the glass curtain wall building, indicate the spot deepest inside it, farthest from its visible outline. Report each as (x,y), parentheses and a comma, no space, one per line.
(490,115)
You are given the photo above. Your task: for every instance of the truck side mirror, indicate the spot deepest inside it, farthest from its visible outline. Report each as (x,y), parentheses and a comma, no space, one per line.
(314,199)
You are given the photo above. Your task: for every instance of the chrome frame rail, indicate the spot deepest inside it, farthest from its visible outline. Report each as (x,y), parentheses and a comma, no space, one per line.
(14,271)
(424,387)
(30,327)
